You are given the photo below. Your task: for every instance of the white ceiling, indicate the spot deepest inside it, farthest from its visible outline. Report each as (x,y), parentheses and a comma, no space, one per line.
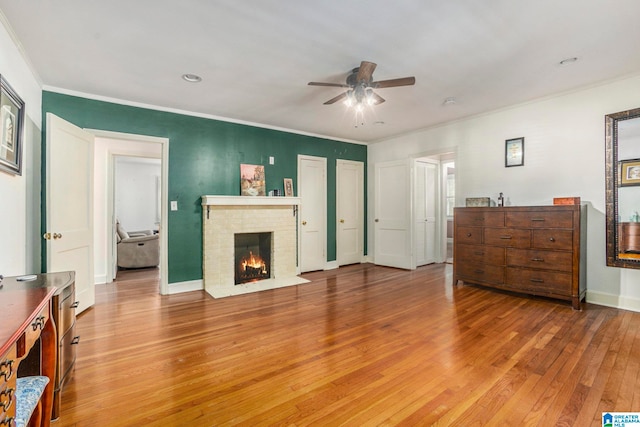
(256,56)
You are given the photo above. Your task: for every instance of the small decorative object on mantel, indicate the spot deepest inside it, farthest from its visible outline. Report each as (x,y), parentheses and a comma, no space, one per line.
(288,187)
(252,181)
(566,200)
(514,152)
(11,124)
(479,202)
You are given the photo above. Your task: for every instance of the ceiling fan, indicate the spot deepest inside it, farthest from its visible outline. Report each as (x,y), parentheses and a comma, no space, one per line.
(360,86)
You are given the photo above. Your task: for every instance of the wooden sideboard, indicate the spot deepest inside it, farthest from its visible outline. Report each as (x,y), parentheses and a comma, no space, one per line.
(537,250)
(63,312)
(25,318)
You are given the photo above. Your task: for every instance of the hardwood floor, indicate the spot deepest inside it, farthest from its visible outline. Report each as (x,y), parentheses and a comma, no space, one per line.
(358,346)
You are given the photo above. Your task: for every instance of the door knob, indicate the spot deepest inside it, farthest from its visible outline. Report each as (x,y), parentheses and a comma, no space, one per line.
(46,236)
(342,221)
(304,222)
(377,220)
(57,236)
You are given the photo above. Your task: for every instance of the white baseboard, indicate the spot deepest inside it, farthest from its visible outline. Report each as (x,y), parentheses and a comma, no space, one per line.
(611,300)
(100,280)
(189,286)
(331,265)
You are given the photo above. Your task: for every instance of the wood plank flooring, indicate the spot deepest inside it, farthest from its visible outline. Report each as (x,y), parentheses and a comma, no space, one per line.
(358,346)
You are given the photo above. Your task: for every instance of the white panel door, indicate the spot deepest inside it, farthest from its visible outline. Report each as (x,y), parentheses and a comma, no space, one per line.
(349,211)
(69,205)
(312,217)
(425,205)
(392,216)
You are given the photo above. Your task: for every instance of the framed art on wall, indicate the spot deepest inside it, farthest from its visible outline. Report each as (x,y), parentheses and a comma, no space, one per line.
(11,121)
(514,152)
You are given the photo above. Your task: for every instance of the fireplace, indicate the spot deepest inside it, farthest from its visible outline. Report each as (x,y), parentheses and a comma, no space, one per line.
(252,257)
(224,217)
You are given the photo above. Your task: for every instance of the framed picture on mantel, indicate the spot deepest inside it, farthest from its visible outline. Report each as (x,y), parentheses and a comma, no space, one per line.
(514,152)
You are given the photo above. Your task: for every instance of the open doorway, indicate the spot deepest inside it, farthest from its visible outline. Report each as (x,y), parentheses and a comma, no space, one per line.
(130,152)
(449,190)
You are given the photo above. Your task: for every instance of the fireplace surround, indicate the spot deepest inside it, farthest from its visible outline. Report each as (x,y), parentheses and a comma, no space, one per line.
(225,216)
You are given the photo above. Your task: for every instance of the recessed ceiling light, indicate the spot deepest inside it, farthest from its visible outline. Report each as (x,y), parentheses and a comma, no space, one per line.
(449,101)
(569,61)
(379,123)
(191,78)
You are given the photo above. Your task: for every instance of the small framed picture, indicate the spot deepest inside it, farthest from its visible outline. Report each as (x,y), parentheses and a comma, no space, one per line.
(514,152)
(288,187)
(11,124)
(629,171)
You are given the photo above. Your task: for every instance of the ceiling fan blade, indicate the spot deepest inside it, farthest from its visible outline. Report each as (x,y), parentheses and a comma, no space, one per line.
(327,84)
(378,99)
(336,99)
(365,71)
(404,81)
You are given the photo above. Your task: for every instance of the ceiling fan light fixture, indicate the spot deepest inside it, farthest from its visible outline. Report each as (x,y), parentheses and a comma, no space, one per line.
(449,101)
(191,78)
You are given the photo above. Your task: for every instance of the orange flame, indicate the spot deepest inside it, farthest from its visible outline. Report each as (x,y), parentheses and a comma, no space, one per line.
(254,262)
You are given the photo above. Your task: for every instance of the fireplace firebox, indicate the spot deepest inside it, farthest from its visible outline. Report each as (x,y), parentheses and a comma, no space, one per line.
(252,257)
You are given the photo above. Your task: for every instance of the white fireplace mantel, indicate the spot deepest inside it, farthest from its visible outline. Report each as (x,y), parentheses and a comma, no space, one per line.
(249,201)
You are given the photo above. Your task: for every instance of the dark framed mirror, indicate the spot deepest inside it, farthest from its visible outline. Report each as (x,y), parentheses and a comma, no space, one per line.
(622,163)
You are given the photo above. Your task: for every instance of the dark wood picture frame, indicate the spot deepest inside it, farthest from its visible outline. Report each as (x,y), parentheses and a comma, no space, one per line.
(514,152)
(11,128)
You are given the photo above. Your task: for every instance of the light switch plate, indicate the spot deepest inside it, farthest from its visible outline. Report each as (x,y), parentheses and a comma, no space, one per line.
(174,205)
(271,160)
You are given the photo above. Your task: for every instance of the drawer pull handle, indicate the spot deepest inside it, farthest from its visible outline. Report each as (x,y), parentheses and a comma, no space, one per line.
(75,304)
(478,253)
(537,280)
(75,340)
(468,234)
(537,219)
(505,237)
(9,396)
(551,239)
(6,369)
(38,323)
(478,271)
(8,422)
(537,259)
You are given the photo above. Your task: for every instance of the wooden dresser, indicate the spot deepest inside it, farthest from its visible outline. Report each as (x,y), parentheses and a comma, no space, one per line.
(63,312)
(538,250)
(25,319)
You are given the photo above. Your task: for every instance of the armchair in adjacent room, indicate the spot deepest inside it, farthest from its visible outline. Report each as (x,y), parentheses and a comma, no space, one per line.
(137,249)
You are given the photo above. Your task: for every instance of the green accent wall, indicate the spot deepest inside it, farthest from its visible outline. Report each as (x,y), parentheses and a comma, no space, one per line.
(204,159)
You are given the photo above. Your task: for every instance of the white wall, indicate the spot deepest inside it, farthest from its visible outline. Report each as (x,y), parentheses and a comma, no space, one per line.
(105,150)
(19,254)
(137,185)
(564,156)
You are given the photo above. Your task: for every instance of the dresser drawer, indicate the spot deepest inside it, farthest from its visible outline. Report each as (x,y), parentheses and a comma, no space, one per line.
(32,332)
(8,373)
(480,273)
(479,218)
(539,282)
(540,219)
(468,235)
(480,254)
(549,260)
(507,237)
(67,354)
(66,312)
(553,239)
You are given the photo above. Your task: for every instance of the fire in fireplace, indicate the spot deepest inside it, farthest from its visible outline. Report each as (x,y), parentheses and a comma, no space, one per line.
(252,257)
